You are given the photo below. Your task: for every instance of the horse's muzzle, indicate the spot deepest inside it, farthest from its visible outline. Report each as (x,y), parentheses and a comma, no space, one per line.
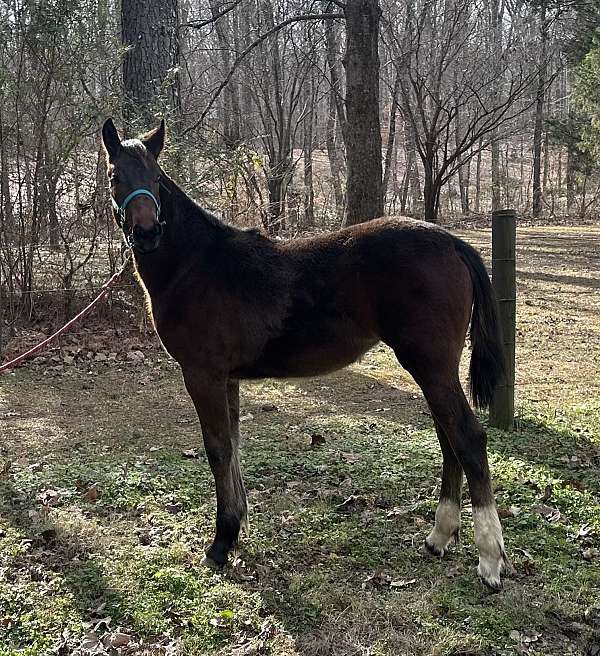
(145,241)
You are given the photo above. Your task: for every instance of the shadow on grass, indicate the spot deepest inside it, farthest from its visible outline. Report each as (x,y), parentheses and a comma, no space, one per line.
(352,392)
(56,555)
(571,453)
(577,281)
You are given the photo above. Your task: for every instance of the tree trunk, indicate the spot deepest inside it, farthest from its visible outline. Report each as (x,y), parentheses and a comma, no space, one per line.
(5,183)
(363,133)
(496,47)
(570,178)
(279,141)
(478,180)
(546,166)
(464,175)
(496,183)
(431,193)
(413,170)
(230,106)
(149,30)
(583,196)
(276,184)
(389,151)
(539,117)
(307,148)
(331,36)
(334,156)
(50,187)
(336,119)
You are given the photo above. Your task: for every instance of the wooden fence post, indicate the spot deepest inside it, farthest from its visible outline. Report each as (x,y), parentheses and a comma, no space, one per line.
(502,408)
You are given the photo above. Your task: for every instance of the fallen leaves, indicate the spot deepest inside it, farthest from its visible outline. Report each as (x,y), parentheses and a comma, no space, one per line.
(354,503)
(549,513)
(525,637)
(49,498)
(574,483)
(352,458)
(5,468)
(116,639)
(382,580)
(9,415)
(112,642)
(91,494)
(590,554)
(402,583)
(136,357)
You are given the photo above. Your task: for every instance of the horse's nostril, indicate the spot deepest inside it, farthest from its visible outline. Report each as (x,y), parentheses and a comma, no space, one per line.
(142,234)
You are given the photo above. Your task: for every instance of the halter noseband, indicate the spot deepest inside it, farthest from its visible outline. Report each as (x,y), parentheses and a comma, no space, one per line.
(120,209)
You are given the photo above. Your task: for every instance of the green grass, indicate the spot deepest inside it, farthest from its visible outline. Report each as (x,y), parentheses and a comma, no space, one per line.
(298,585)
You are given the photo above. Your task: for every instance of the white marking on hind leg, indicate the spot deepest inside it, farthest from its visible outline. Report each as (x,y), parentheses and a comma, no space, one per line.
(447,524)
(489,541)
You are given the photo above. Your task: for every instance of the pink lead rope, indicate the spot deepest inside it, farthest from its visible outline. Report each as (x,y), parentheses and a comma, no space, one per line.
(105,290)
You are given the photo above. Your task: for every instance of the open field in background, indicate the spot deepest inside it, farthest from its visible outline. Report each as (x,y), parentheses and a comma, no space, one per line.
(105,511)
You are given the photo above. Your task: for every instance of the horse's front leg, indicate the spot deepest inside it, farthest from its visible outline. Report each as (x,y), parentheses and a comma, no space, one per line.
(211,396)
(233,399)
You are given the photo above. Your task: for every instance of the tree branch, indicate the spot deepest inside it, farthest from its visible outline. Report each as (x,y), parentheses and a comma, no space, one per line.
(199,23)
(249,49)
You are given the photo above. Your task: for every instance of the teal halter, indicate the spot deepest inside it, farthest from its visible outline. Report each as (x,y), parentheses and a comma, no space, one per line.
(120,209)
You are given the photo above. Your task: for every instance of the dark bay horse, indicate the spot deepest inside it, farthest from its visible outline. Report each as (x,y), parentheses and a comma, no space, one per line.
(231,304)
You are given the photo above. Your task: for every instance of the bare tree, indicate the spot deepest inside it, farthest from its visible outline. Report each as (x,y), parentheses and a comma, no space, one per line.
(450,80)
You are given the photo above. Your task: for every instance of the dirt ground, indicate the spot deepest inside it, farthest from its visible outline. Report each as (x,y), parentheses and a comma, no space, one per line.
(106,500)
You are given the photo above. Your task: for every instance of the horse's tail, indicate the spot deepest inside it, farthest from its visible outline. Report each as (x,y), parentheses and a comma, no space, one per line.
(487,358)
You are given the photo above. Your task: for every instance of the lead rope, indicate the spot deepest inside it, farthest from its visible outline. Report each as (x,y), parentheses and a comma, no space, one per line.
(105,291)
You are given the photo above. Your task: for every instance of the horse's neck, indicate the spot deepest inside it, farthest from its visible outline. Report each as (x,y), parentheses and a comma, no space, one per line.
(186,234)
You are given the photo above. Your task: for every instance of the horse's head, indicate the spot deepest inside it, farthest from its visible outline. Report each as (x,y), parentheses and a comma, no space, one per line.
(134,177)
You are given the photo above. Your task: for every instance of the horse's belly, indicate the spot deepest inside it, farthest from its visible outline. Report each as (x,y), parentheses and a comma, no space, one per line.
(293,356)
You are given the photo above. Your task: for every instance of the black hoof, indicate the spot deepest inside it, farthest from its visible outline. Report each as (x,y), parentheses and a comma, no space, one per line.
(432,550)
(492,585)
(216,556)
(207,561)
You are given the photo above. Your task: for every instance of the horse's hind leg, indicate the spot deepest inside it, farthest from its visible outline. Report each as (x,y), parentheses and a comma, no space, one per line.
(447,515)
(468,441)
(452,413)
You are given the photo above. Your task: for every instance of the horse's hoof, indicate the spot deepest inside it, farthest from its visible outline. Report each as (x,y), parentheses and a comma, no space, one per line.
(430,549)
(493,584)
(489,574)
(209,562)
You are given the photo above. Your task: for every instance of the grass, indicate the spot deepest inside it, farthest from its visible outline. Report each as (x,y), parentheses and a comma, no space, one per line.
(103,520)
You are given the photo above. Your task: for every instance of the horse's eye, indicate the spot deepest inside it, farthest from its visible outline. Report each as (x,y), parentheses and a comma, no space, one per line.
(158,177)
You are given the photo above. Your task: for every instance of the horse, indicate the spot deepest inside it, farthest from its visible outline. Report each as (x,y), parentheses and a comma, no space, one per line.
(230,304)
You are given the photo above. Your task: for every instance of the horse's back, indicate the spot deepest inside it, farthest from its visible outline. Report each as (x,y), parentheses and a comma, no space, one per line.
(382,280)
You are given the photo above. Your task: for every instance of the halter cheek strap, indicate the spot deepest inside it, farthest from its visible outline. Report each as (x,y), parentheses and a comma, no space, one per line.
(120,209)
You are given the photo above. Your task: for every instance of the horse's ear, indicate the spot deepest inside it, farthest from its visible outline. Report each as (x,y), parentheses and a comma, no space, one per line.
(110,139)
(155,139)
